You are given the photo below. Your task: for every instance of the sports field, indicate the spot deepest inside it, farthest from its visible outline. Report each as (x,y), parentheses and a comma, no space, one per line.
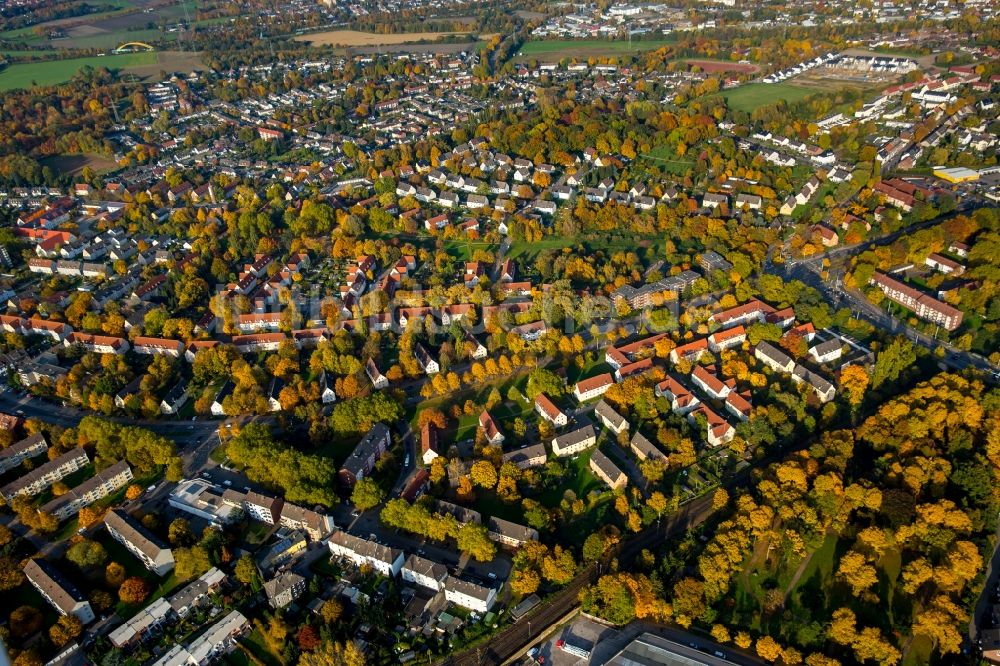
(57,71)
(557,49)
(749,97)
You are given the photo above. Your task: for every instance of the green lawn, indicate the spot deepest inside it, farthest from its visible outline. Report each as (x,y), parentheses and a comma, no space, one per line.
(57,71)
(577,478)
(463,250)
(557,49)
(750,97)
(666,159)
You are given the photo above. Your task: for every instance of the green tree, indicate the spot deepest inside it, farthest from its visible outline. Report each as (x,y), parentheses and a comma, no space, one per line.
(86,554)
(367,494)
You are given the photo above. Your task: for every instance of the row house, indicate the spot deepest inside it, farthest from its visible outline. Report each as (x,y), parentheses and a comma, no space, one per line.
(644,449)
(152,346)
(426,361)
(727,338)
(753,311)
(718,431)
(773,357)
(258,342)
(259,322)
(509,533)
(593,387)
(610,418)
(56,589)
(823,389)
(925,306)
(681,399)
(375,376)
(943,264)
(691,351)
(709,383)
(738,405)
(99,344)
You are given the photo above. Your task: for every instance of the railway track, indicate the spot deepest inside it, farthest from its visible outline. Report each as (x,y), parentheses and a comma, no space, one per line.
(517,637)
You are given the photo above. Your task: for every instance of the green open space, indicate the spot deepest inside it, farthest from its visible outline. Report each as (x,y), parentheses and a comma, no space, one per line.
(53,72)
(754,95)
(666,159)
(557,49)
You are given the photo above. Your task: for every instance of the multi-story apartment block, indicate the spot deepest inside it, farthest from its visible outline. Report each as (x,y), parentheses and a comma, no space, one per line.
(387,561)
(17,453)
(57,590)
(96,487)
(45,475)
(362,460)
(153,553)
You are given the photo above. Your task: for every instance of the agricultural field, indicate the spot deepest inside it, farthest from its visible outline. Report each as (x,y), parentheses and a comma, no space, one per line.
(750,97)
(56,71)
(121,21)
(352,38)
(716,66)
(556,49)
(75,164)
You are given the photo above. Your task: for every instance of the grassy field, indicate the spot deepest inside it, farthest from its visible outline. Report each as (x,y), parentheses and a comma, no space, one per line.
(750,97)
(358,38)
(666,159)
(557,49)
(74,164)
(57,71)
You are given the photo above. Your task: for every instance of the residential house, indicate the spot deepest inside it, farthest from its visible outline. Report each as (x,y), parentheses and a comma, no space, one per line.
(378,380)
(527,456)
(548,411)
(362,460)
(429,443)
(362,552)
(490,430)
(510,534)
(284,588)
(593,387)
(606,470)
(611,419)
(574,442)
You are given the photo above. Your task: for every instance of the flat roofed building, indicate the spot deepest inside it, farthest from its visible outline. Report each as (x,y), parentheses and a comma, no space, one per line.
(205,500)
(57,590)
